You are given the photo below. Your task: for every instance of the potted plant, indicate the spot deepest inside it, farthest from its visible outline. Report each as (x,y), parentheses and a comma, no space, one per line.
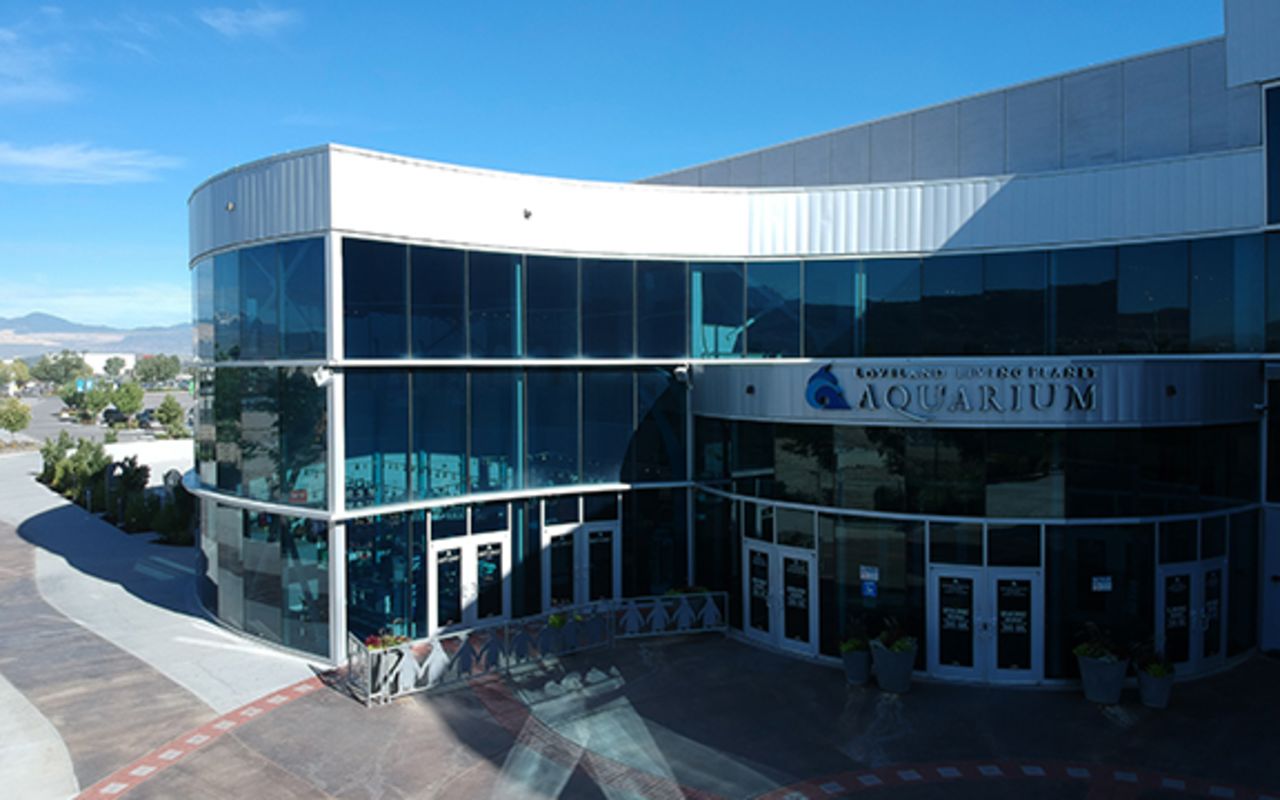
(856,652)
(1102,666)
(1155,677)
(893,656)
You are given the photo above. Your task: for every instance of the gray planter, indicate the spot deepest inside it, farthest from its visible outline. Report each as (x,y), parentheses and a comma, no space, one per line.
(1102,679)
(857,666)
(893,669)
(1155,691)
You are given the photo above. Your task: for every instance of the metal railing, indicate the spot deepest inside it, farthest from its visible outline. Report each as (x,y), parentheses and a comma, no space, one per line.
(449,658)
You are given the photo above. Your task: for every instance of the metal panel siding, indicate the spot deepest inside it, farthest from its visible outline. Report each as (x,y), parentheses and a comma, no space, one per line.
(1157,106)
(281,197)
(1092,117)
(813,161)
(851,156)
(934,139)
(1252,27)
(714,174)
(1034,127)
(982,135)
(1208,96)
(891,149)
(745,170)
(778,166)
(1244,116)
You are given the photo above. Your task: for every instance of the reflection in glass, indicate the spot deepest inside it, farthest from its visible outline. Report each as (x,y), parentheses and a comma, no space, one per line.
(553,428)
(377,423)
(1152,307)
(1014,287)
(489,580)
(661,318)
(439,433)
(828,308)
(305,575)
(263,589)
(1013,545)
(795,599)
(955,543)
(495,430)
(552,306)
(655,546)
(1084,300)
(226,306)
(953,311)
(1227,313)
(383,593)
(437,280)
(302,322)
(773,309)
(259,303)
(716,306)
(955,621)
(562,572)
(795,528)
(607,424)
(659,441)
(448,587)
(890,322)
(494,316)
(607,288)
(375,299)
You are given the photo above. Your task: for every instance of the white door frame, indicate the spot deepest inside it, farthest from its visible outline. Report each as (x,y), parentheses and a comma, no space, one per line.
(984,624)
(581,533)
(1199,613)
(469,577)
(775,557)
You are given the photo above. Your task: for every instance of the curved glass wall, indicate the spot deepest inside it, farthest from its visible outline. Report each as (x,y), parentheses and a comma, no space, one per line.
(984,472)
(261,303)
(426,434)
(267,575)
(261,434)
(405,301)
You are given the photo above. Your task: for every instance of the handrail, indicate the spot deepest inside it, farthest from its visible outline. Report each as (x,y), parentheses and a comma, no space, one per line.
(377,675)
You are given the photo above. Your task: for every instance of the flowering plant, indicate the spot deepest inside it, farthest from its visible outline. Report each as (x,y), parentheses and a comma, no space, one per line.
(381,641)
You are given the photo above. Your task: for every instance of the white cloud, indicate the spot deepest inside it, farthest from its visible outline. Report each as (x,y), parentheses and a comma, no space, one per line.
(260,21)
(27,73)
(79,163)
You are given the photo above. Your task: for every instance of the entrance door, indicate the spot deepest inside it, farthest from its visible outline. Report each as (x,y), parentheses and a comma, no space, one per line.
(779,597)
(581,563)
(985,624)
(1190,604)
(469,581)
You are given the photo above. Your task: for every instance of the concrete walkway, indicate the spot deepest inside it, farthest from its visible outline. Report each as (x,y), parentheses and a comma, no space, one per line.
(103,649)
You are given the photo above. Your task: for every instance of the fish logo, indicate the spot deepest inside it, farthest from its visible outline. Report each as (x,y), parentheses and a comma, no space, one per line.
(824,392)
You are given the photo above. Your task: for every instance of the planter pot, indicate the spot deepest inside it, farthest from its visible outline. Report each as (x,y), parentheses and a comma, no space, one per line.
(893,669)
(1155,691)
(857,666)
(1101,679)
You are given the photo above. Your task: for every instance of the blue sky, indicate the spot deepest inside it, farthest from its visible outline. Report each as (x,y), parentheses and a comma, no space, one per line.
(111,113)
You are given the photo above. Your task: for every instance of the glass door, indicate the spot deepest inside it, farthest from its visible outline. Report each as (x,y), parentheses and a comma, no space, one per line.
(780,597)
(1190,604)
(985,624)
(581,563)
(471,581)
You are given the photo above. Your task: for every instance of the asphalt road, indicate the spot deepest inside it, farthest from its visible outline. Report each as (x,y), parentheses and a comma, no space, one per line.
(45,423)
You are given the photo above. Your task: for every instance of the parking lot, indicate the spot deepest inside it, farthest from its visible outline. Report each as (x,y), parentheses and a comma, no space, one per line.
(45,422)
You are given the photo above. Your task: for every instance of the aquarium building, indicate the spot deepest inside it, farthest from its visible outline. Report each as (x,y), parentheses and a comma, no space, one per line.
(992,369)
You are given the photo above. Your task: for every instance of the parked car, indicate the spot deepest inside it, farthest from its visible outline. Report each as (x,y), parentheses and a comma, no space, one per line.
(146,417)
(114,416)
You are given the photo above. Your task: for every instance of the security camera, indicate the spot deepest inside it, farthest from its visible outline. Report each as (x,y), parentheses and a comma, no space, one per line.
(682,374)
(321,376)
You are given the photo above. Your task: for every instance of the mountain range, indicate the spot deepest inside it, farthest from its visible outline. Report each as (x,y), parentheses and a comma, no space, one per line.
(38,333)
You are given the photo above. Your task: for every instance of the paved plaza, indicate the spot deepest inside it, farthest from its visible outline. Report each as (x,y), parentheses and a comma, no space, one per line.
(113,684)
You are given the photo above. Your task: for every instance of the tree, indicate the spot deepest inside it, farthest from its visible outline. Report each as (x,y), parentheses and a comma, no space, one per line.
(128,398)
(157,369)
(88,404)
(14,414)
(6,375)
(170,416)
(19,373)
(62,368)
(113,367)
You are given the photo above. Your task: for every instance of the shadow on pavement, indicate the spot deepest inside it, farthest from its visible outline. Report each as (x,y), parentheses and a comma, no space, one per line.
(161,575)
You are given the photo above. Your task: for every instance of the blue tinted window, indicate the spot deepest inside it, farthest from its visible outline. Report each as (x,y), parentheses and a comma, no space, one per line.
(717,308)
(773,309)
(553,428)
(259,303)
(377,421)
(494,287)
(1084,300)
(302,323)
(1226,306)
(1151,298)
(226,306)
(202,285)
(606,308)
(1014,286)
(305,581)
(606,424)
(495,430)
(226,414)
(659,441)
(375,291)
(552,303)
(661,321)
(891,315)
(439,433)
(1273,155)
(262,587)
(828,308)
(303,441)
(259,434)
(952,312)
(382,594)
(438,321)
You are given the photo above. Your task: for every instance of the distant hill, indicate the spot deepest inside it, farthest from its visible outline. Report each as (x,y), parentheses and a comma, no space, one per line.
(37,333)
